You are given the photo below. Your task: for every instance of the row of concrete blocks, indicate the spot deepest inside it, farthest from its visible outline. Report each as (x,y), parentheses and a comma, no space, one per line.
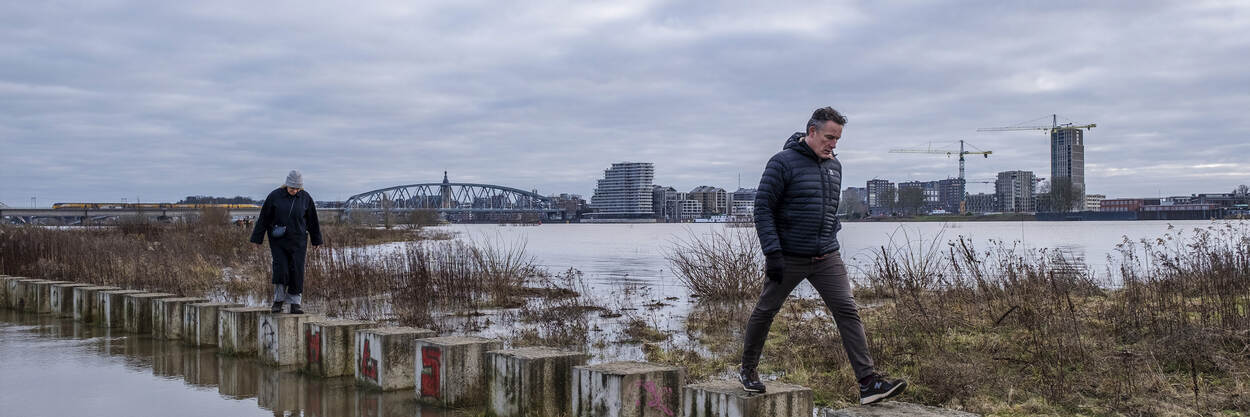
(449,371)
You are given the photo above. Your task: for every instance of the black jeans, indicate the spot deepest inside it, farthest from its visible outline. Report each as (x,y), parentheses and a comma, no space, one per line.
(828,277)
(288,263)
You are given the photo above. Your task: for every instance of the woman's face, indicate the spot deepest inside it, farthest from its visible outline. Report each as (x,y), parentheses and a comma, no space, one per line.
(292,191)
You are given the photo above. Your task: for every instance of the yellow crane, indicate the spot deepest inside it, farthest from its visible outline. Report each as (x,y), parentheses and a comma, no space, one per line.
(963,199)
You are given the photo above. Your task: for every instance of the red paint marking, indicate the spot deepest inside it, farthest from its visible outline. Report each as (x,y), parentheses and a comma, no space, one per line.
(314,345)
(430,359)
(368,365)
(655,396)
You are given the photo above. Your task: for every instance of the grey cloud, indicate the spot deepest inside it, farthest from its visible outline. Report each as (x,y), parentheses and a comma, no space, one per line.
(167,99)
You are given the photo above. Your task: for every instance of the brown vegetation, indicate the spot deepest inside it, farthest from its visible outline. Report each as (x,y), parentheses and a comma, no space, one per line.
(1009,330)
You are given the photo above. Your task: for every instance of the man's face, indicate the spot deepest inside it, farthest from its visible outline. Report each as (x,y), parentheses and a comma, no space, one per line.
(292,191)
(824,139)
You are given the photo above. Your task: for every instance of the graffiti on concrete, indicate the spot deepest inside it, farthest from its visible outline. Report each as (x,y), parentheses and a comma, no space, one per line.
(314,344)
(368,365)
(267,337)
(655,396)
(431,357)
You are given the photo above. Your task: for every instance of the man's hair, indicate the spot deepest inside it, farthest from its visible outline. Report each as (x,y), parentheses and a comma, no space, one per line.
(824,115)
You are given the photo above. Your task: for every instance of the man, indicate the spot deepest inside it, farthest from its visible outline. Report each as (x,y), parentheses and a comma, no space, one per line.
(796,208)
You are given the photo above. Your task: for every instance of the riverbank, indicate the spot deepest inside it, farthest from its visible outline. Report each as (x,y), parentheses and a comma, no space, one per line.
(1001,217)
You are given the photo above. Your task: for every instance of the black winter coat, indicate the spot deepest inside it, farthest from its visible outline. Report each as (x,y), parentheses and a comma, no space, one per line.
(796,204)
(297,212)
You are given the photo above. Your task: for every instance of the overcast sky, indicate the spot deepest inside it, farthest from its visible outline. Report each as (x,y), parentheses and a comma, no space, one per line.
(104,100)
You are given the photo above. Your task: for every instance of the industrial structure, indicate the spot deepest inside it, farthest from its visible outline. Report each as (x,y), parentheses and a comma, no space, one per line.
(1067,158)
(460,202)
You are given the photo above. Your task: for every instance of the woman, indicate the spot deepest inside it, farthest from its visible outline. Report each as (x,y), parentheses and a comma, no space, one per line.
(289,218)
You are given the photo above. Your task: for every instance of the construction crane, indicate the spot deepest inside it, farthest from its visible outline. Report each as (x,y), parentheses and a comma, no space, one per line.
(961,152)
(1054,125)
(963,199)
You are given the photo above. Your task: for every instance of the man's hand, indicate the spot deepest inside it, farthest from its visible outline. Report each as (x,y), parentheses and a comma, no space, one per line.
(774,265)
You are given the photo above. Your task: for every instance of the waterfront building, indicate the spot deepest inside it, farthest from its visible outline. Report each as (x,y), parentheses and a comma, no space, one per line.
(624,194)
(742,204)
(1093,202)
(1014,192)
(951,192)
(1127,204)
(982,203)
(664,203)
(882,195)
(1067,161)
(715,200)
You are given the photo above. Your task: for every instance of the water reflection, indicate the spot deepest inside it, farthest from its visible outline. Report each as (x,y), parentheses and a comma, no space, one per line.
(82,351)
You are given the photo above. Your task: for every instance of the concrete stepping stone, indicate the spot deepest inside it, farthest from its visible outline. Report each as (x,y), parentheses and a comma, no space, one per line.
(727,399)
(895,408)
(61,299)
(531,381)
(280,338)
(19,298)
(111,308)
(384,356)
(4,289)
(167,316)
(138,310)
(199,322)
(84,302)
(617,389)
(331,346)
(451,370)
(41,293)
(236,330)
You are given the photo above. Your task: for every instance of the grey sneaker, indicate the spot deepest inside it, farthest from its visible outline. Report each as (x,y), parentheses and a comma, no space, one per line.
(750,379)
(877,388)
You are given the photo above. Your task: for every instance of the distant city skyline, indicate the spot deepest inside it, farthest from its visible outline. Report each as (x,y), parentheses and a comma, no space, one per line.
(155,101)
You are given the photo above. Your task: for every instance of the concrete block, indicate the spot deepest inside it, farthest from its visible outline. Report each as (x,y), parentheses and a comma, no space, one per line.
(894,408)
(331,346)
(451,370)
(280,338)
(111,308)
(84,302)
(627,389)
(4,289)
(138,310)
(61,299)
(533,381)
(41,293)
(167,316)
(727,399)
(236,329)
(237,378)
(384,356)
(199,323)
(19,298)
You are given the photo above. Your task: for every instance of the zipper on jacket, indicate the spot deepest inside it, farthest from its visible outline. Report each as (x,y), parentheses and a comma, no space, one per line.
(824,206)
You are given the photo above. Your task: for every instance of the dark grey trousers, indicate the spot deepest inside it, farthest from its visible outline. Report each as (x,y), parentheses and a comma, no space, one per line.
(828,276)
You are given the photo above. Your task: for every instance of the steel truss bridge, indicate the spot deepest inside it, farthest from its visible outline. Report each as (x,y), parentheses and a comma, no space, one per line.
(456,202)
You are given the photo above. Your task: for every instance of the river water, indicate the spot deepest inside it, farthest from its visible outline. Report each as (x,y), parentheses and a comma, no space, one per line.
(57,367)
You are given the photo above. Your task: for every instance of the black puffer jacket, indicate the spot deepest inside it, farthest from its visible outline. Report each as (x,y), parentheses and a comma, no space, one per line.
(796,204)
(297,212)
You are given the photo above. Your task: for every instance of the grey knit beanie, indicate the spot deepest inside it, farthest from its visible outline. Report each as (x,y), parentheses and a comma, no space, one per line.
(295,179)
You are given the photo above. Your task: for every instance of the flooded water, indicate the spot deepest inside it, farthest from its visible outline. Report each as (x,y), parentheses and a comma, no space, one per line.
(58,367)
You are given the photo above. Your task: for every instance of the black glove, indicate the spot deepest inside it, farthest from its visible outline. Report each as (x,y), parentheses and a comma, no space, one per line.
(773,266)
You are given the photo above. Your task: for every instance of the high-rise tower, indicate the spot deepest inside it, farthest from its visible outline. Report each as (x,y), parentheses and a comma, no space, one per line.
(624,193)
